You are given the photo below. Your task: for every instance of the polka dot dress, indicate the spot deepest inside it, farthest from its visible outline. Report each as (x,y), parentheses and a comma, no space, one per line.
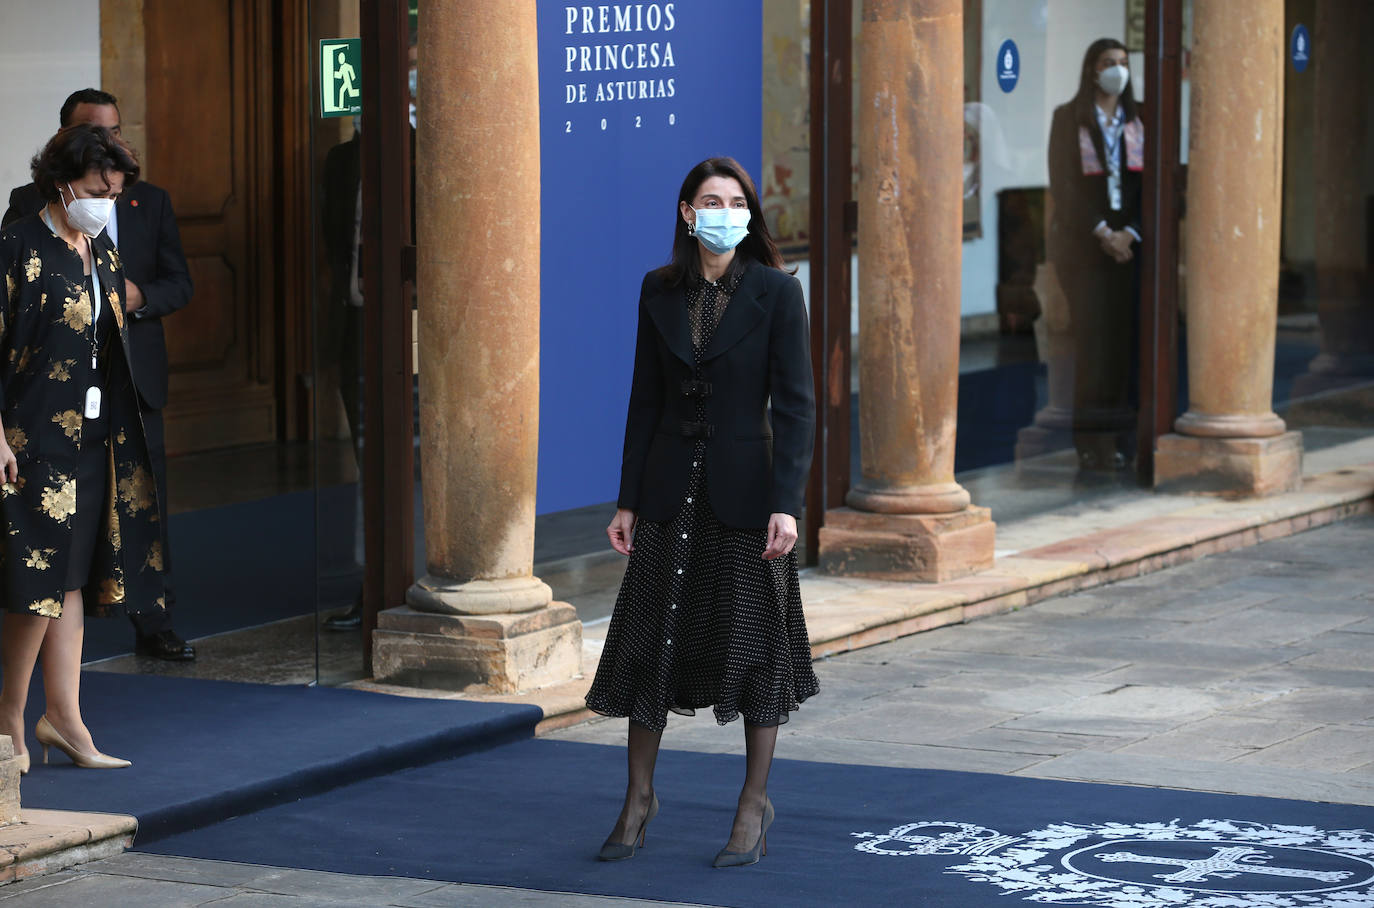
(701,619)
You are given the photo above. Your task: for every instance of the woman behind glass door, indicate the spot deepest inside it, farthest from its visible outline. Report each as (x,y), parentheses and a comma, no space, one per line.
(1096,161)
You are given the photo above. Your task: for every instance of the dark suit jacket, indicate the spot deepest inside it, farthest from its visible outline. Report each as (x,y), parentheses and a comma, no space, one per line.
(1080,200)
(150,251)
(757,456)
(342,175)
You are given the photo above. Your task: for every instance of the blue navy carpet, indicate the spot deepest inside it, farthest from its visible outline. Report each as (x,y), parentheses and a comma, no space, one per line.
(532,814)
(203,751)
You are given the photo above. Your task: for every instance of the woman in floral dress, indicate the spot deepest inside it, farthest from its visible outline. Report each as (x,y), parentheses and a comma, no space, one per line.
(77,505)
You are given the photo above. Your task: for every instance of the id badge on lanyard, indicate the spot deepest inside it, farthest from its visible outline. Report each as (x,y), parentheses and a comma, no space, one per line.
(92,410)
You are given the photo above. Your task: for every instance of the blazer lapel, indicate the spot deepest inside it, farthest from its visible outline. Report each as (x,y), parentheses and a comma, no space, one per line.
(668,309)
(104,254)
(741,315)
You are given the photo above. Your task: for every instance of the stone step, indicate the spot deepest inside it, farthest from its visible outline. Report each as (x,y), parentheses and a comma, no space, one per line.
(45,841)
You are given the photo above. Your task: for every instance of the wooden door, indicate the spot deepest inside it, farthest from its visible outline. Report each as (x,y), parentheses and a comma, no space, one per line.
(210,144)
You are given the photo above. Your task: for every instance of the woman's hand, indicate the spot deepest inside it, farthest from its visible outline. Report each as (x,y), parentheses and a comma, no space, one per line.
(9,465)
(782,536)
(622,531)
(1117,244)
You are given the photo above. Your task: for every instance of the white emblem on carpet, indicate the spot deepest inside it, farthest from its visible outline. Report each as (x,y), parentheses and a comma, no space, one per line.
(1209,864)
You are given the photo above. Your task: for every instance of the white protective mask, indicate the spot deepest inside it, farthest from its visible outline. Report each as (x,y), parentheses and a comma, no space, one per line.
(88,215)
(1114,79)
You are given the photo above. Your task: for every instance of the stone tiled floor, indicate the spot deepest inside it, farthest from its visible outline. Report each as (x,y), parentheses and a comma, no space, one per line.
(1250,672)
(153,881)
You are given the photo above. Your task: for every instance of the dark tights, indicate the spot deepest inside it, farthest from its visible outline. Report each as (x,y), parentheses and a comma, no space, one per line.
(642,755)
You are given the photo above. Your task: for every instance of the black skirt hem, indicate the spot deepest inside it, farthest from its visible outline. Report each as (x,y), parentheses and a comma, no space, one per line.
(613,712)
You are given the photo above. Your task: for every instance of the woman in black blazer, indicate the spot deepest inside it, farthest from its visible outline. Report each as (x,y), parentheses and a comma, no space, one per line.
(717,450)
(1096,159)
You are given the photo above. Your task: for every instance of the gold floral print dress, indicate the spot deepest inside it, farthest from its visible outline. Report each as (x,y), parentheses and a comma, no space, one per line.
(45,369)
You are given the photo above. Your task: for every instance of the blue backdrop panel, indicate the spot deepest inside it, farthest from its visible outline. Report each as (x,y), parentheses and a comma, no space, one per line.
(631,96)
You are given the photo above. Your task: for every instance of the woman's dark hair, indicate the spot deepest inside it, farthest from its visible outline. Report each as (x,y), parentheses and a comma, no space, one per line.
(1087,87)
(77,150)
(757,245)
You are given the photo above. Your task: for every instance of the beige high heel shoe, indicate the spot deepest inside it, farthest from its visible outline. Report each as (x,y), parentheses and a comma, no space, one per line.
(23,763)
(47,735)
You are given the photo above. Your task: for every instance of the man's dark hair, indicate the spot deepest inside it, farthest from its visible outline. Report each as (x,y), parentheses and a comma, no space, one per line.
(85,96)
(77,150)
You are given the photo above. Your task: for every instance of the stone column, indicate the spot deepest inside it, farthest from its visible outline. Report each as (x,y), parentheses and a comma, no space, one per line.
(1345,289)
(479,619)
(907,517)
(1230,441)
(9,782)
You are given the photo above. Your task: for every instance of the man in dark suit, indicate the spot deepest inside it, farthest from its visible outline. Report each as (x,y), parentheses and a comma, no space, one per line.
(341,212)
(158,283)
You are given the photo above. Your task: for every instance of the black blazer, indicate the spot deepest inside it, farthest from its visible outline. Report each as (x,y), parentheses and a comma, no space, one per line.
(150,251)
(757,456)
(1080,200)
(342,176)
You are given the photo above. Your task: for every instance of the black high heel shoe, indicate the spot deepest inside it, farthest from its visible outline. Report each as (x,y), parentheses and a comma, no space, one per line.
(743,858)
(616,851)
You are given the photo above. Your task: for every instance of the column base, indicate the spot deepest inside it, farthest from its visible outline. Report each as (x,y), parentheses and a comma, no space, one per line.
(479,597)
(925,547)
(478,653)
(1100,437)
(1033,442)
(931,498)
(9,782)
(1329,371)
(1230,467)
(1051,431)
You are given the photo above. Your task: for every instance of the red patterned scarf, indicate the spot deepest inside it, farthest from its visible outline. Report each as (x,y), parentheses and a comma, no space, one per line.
(1134,133)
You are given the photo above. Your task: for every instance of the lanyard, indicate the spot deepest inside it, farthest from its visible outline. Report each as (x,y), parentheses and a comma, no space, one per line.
(95,282)
(1112,131)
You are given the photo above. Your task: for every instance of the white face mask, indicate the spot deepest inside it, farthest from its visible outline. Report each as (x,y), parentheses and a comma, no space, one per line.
(88,215)
(1114,79)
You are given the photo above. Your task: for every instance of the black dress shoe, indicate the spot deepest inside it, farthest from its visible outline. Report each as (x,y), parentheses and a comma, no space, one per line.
(166,645)
(350,620)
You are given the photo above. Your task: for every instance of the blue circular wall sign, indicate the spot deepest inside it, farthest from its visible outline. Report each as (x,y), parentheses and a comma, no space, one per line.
(1300,47)
(1008,65)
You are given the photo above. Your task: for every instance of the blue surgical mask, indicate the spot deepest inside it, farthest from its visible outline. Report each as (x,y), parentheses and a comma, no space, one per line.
(722,229)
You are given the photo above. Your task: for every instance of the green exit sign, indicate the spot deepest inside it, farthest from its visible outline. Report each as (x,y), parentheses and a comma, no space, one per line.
(341,64)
